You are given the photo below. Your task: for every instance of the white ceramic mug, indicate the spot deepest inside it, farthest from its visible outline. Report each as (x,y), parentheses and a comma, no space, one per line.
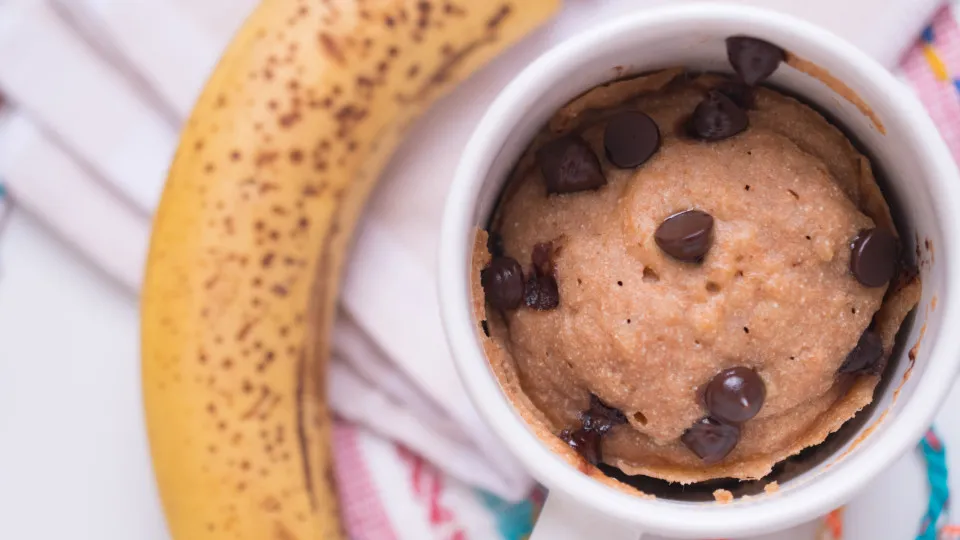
(920,176)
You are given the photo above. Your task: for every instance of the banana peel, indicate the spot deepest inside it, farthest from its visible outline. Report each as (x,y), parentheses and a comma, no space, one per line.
(274,166)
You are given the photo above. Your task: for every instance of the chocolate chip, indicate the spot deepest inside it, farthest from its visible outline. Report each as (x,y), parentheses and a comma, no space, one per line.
(569,165)
(630,138)
(711,440)
(584,442)
(502,283)
(873,257)
(686,236)
(541,292)
(601,417)
(717,117)
(753,59)
(735,395)
(866,357)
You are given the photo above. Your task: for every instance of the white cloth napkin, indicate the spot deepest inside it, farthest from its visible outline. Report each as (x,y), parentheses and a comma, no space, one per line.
(97,90)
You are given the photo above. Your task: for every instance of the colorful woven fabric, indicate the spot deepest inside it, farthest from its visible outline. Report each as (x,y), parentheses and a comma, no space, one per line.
(832,526)
(932,68)
(389,493)
(939,504)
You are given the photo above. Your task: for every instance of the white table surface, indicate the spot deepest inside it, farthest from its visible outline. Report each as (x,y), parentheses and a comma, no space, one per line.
(74,461)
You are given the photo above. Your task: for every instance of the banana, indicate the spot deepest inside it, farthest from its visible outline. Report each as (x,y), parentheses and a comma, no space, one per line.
(274,166)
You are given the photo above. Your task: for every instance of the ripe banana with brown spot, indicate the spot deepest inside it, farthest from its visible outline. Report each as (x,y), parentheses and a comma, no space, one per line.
(273,168)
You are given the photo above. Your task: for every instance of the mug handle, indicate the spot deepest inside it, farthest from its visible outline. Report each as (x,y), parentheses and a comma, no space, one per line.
(562,518)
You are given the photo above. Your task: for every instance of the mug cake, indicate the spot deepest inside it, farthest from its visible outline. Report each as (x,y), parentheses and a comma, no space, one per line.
(691,276)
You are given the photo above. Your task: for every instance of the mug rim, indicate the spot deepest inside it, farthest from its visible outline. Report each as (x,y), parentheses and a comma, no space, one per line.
(663,516)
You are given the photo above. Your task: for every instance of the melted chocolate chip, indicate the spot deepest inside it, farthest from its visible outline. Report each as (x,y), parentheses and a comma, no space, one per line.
(686,236)
(541,292)
(866,357)
(630,138)
(502,283)
(735,395)
(873,257)
(569,165)
(601,417)
(711,440)
(595,422)
(753,59)
(717,117)
(584,442)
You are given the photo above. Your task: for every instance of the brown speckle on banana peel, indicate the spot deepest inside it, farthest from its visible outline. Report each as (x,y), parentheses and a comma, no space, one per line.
(273,168)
